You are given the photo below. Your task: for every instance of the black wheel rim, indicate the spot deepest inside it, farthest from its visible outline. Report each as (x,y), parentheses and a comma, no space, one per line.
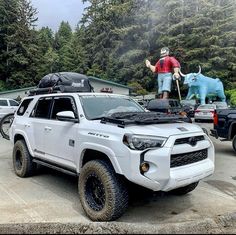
(19,160)
(95,192)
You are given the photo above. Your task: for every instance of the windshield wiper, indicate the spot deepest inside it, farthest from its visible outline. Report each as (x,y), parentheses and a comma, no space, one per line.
(97,118)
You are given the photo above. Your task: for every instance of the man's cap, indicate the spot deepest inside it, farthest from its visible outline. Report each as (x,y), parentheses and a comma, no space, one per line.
(165,51)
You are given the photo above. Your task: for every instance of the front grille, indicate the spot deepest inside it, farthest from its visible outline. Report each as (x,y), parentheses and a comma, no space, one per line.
(188,140)
(187,158)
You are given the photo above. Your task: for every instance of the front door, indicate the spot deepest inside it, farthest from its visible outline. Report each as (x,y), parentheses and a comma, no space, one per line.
(60,136)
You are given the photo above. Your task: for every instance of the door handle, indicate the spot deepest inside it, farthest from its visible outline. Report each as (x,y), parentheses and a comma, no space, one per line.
(47,128)
(27,125)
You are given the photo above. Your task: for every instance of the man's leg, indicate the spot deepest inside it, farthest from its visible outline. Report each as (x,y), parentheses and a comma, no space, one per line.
(160,84)
(166,88)
(165,95)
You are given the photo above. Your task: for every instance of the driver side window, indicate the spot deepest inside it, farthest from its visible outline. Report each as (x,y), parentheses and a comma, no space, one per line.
(61,104)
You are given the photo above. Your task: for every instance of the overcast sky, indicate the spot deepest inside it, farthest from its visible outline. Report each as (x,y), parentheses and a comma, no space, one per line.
(52,12)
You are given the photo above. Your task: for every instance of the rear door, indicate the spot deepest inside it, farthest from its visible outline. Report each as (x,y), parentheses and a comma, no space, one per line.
(13,105)
(38,122)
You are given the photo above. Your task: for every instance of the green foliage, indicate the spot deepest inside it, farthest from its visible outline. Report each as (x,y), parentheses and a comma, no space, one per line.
(114,38)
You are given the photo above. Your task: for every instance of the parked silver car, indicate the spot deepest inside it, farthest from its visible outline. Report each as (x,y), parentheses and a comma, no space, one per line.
(204,112)
(7,106)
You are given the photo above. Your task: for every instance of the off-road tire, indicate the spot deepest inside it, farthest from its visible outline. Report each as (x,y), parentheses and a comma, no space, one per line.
(8,117)
(22,160)
(234,143)
(184,190)
(103,194)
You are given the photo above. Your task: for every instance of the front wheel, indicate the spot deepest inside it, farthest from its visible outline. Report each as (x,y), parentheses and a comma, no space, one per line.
(5,125)
(184,190)
(234,143)
(102,193)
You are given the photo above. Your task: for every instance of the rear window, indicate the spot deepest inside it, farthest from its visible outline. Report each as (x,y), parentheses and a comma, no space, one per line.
(42,108)
(13,103)
(207,106)
(23,107)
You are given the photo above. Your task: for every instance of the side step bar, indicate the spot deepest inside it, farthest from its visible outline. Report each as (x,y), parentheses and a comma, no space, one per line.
(56,167)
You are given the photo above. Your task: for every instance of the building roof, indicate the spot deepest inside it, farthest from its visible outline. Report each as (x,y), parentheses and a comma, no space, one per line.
(91,78)
(16,90)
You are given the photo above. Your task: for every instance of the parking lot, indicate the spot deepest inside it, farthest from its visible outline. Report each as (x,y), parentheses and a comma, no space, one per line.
(52,197)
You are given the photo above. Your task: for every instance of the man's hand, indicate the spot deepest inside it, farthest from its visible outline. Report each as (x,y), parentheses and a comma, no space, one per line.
(148,63)
(176,76)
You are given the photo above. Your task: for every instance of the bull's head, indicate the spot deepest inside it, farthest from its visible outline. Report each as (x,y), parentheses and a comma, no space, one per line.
(190,78)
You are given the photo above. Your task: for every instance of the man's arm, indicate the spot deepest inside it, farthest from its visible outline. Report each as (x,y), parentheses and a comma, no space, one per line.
(176,67)
(176,73)
(152,67)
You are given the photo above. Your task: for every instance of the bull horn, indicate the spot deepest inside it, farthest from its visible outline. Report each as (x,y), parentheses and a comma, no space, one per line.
(183,75)
(200,70)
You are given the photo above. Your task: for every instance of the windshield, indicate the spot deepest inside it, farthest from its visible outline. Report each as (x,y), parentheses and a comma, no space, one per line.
(96,107)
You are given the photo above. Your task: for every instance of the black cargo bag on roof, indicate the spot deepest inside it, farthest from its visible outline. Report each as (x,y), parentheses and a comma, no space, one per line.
(63,82)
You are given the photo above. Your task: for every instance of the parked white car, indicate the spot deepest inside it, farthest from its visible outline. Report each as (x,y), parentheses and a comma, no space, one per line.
(7,106)
(107,140)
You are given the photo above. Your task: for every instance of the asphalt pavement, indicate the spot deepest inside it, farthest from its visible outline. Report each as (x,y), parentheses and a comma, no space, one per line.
(49,203)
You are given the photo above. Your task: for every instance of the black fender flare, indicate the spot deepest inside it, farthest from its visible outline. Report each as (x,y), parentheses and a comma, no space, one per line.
(230,130)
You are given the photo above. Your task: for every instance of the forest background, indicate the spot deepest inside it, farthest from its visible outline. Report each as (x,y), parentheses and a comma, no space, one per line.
(113,39)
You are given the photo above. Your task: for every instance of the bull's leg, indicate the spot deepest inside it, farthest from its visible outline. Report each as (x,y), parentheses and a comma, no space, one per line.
(203,94)
(221,95)
(190,94)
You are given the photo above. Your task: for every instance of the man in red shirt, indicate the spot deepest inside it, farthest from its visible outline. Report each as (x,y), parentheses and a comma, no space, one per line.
(164,68)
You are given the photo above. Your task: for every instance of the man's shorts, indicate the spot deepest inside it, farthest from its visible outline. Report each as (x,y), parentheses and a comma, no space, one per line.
(164,81)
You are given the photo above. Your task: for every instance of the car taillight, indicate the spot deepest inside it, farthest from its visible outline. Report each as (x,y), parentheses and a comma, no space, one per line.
(197,111)
(215,119)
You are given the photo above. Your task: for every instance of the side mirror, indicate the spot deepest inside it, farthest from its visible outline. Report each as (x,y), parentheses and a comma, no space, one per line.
(67,116)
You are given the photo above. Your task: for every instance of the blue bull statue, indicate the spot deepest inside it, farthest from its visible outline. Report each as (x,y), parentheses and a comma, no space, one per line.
(202,86)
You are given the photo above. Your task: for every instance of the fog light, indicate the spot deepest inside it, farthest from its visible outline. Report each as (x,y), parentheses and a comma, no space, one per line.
(144,167)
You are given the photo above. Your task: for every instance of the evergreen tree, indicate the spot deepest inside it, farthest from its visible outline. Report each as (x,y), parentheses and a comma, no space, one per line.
(21,47)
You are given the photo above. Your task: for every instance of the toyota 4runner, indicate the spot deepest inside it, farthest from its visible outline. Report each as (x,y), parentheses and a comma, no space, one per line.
(108,140)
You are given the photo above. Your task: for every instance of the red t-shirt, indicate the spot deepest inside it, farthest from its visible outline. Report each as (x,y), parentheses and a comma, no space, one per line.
(166,65)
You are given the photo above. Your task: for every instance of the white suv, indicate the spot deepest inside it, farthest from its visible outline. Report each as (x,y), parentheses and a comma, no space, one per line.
(7,106)
(108,140)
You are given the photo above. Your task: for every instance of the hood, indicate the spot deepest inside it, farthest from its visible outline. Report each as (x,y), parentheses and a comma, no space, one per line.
(164,130)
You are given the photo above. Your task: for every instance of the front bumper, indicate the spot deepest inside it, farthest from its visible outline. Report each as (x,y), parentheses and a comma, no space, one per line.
(162,177)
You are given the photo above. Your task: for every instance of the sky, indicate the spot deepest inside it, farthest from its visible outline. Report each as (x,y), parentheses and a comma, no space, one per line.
(52,12)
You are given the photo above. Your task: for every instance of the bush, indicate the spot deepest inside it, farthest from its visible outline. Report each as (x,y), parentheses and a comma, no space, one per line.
(231,95)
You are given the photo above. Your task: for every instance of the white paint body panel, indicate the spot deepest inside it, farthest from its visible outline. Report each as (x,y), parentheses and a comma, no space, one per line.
(51,140)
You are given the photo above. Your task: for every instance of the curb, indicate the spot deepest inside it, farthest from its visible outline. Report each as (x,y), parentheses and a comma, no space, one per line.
(221,225)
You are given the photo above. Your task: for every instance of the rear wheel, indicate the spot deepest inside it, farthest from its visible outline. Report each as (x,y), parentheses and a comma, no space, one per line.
(22,160)
(234,143)
(102,193)
(184,190)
